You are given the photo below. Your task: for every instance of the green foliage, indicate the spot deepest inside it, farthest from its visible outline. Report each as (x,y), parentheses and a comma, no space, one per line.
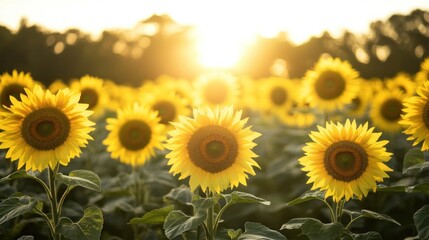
(314,229)
(87,228)
(156,216)
(83,178)
(307,196)
(15,206)
(258,231)
(414,160)
(421,220)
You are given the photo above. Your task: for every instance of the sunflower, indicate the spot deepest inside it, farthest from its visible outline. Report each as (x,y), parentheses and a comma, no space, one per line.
(358,108)
(416,116)
(386,110)
(92,92)
(134,134)
(13,86)
(213,148)
(345,160)
(331,84)
(167,104)
(403,82)
(275,94)
(57,85)
(44,129)
(423,74)
(216,88)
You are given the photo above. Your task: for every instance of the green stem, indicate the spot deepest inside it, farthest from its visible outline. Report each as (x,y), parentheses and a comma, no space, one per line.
(219,215)
(53,198)
(48,220)
(63,197)
(331,211)
(352,221)
(339,209)
(210,213)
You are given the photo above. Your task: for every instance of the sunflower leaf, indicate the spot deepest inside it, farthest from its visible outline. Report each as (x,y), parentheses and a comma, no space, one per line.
(181,195)
(242,197)
(15,206)
(17,175)
(177,222)
(314,228)
(421,220)
(307,196)
(374,215)
(414,159)
(156,216)
(367,236)
(83,178)
(87,228)
(258,231)
(421,187)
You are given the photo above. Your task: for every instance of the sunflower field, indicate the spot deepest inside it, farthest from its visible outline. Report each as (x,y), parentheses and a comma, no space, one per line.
(329,155)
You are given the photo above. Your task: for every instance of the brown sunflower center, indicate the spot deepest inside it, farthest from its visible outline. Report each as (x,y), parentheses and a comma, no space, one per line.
(278,95)
(213,148)
(90,97)
(135,135)
(425,115)
(216,92)
(45,129)
(356,102)
(391,109)
(345,161)
(11,90)
(166,111)
(330,85)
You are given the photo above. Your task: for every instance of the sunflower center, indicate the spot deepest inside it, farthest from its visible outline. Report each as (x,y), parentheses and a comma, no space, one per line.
(345,161)
(216,92)
(45,129)
(135,135)
(391,109)
(213,148)
(166,110)
(356,102)
(425,115)
(11,90)
(90,97)
(278,95)
(330,85)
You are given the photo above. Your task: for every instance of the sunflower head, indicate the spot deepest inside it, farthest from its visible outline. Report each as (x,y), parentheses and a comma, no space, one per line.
(331,84)
(415,117)
(275,93)
(386,110)
(13,86)
(92,92)
(345,160)
(44,129)
(403,83)
(423,74)
(216,88)
(214,149)
(134,135)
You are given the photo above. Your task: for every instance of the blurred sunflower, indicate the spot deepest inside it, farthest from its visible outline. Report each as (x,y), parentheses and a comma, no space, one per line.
(168,104)
(403,82)
(386,110)
(216,88)
(57,85)
(416,116)
(423,74)
(92,92)
(44,129)
(13,86)
(182,87)
(331,84)
(345,160)
(358,108)
(134,134)
(275,94)
(214,149)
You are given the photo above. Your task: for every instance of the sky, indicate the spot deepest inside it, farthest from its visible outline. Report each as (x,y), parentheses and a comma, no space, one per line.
(241,20)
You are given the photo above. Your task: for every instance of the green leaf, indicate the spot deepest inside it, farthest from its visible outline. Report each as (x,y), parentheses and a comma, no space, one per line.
(414,159)
(384,188)
(258,231)
(180,195)
(367,236)
(307,196)
(83,178)
(379,216)
(26,237)
(242,197)
(177,222)
(17,175)
(314,229)
(156,216)
(234,234)
(422,187)
(421,220)
(15,206)
(87,228)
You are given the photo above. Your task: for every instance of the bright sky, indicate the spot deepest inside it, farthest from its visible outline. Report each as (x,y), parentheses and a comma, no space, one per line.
(241,20)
